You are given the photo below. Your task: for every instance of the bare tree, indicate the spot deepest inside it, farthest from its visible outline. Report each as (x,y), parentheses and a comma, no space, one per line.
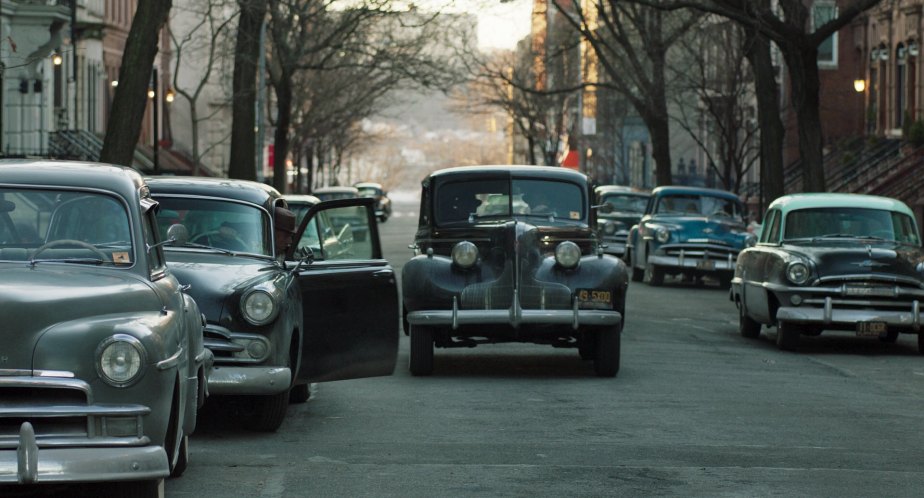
(130,98)
(202,42)
(243,110)
(798,35)
(722,121)
(630,43)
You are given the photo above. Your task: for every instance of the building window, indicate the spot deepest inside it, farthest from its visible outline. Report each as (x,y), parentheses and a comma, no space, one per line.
(822,12)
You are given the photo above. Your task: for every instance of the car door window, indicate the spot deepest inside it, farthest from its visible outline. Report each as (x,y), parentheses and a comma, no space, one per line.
(338,233)
(772,234)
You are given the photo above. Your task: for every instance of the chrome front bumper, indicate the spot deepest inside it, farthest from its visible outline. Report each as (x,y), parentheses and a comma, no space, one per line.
(225,379)
(830,315)
(515,316)
(29,464)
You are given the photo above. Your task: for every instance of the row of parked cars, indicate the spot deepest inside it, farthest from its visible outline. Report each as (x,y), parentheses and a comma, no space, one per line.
(835,262)
(128,300)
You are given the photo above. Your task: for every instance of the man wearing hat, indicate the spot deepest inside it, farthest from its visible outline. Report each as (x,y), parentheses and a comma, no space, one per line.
(284,222)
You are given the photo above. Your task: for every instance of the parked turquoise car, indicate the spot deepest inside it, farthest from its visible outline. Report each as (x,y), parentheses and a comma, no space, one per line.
(824,262)
(102,364)
(688,231)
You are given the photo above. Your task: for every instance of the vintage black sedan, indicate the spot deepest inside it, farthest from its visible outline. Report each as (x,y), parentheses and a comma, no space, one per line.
(509,254)
(832,262)
(626,206)
(382,202)
(102,364)
(278,319)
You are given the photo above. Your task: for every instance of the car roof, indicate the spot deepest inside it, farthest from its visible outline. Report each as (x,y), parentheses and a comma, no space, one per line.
(240,190)
(793,202)
(54,173)
(295,199)
(329,190)
(368,185)
(516,171)
(679,190)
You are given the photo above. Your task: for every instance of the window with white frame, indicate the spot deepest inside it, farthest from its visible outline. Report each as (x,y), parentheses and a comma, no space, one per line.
(822,12)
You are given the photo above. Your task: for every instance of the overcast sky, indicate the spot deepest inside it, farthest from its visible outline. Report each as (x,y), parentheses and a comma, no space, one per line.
(501,25)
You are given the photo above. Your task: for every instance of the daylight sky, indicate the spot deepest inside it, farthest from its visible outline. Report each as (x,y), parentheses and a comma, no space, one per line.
(501,25)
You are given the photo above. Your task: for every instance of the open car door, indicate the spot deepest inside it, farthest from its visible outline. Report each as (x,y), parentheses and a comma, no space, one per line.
(349,293)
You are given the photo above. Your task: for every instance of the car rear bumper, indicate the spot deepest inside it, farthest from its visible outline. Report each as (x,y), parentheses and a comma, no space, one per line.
(259,380)
(33,463)
(515,316)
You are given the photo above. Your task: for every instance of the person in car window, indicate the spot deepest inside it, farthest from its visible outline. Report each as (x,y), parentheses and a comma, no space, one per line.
(284,230)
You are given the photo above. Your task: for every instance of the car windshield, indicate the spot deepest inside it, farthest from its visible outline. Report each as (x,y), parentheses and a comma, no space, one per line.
(69,226)
(467,201)
(219,224)
(699,205)
(300,210)
(626,202)
(850,223)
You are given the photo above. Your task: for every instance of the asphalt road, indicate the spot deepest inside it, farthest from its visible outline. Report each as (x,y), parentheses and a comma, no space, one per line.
(696,410)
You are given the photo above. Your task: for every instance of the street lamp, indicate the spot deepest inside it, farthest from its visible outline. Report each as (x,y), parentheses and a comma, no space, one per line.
(169,96)
(56,59)
(859,85)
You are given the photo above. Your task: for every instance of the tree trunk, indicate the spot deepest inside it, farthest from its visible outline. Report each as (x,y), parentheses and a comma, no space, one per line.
(194,120)
(281,135)
(802,61)
(532,149)
(130,99)
(768,118)
(243,111)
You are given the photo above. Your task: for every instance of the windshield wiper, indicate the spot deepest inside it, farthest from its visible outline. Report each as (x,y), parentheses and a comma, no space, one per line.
(78,261)
(203,246)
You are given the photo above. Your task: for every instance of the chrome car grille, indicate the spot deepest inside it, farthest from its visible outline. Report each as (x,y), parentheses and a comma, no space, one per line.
(234,348)
(866,291)
(63,414)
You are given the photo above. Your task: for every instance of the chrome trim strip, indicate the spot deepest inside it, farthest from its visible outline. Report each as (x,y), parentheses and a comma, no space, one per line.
(483,317)
(15,372)
(249,380)
(61,465)
(172,361)
(38,411)
(55,373)
(874,277)
(78,441)
(846,317)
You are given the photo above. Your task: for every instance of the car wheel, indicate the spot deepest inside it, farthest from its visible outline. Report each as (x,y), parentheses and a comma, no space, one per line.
(587,345)
(637,274)
(606,361)
(421,361)
(268,412)
(747,327)
(654,276)
(300,393)
(787,336)
(139,489)
(889,337)
(725,281)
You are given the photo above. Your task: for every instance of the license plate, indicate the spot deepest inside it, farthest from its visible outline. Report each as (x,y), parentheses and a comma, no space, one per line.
(707,264)
(597,299)
(871,329)
(864,291)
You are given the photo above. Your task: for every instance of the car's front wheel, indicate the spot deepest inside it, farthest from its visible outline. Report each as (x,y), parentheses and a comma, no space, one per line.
(606,360)
(787,336)
(421,361)
(654,276)
(637,273)
(747,326)
(268,412)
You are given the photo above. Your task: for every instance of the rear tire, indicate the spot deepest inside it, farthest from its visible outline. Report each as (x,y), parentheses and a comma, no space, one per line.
(747,327)
(787,336)
(139,489)
(300,393)
(637,274)
(606,361)
(421,361)
(889,337)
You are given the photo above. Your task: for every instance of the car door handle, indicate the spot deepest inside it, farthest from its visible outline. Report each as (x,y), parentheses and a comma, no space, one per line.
(383,274)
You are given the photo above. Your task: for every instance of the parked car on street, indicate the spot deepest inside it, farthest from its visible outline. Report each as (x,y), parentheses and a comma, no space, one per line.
(529,269)
(280,316)
(832,262)
(103,368)
(300,204)
(382,202)
(688,231)
(626,207)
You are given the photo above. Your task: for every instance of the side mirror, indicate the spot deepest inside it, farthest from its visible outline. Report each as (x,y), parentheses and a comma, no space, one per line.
(178,234)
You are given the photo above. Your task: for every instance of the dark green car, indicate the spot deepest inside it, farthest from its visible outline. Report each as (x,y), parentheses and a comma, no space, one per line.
(102,364)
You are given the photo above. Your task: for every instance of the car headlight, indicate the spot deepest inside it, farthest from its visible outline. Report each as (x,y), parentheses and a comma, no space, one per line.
(609,228)
(798,272)
(464,254)
(120,360)
(662,235)
(567,254)
(258,307)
